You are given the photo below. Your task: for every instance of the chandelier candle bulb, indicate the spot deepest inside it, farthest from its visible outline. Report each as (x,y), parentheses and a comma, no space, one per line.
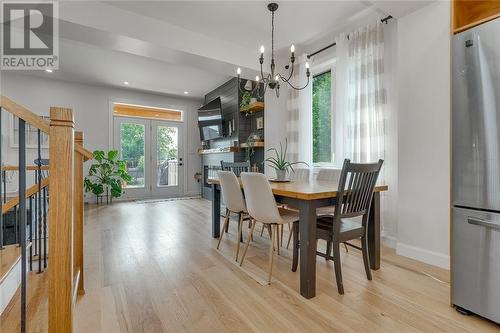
(238,71)
(262,49)
(292,48)
(257,78)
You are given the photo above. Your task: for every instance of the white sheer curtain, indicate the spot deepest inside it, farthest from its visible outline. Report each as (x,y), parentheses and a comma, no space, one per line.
(360,96)
(299,115)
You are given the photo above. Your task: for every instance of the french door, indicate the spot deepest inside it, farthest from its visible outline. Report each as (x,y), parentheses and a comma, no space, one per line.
(153,150)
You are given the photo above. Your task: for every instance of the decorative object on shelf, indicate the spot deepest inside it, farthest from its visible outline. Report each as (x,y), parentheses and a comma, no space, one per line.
(107,175)
(245,101)
(279,162)
(249,149)
(252,108)
(259,123)
(218,150)
(272,80)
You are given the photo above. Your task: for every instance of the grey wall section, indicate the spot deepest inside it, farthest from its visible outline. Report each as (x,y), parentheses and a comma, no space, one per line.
(91,107)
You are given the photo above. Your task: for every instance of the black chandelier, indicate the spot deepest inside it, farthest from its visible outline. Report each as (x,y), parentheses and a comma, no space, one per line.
(272,80)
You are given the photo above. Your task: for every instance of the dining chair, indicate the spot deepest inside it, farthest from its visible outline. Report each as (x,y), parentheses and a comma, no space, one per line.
(234,202)
(350,219)
(327,175)
(236,167)
(300,174)
(262,208)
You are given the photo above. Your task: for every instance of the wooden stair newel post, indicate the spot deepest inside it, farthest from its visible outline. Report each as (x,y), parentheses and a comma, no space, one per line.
(78,214)
(61,152)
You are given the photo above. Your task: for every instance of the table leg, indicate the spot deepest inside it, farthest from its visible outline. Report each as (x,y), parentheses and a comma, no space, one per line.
(374,232)
(307,228)
(215,211)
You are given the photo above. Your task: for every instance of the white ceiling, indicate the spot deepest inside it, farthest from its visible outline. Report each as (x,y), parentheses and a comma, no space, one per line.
(174,46)
(248,23)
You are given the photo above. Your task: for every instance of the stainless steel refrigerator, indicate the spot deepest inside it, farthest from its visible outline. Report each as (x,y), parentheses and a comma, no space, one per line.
(476,170)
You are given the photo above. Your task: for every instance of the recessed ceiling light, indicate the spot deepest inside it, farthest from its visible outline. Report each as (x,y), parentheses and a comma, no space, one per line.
(125,83)
(186,92)
(48,70)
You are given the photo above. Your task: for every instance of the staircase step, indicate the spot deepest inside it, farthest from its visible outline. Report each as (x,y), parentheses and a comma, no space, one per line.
(36,307)
(9,257)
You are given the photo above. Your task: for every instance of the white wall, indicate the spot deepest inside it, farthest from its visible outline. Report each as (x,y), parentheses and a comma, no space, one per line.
(91,109)
(424,134)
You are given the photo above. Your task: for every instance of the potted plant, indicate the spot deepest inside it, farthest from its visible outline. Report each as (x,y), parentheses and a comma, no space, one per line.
(279,162)
(245,101)
(107,174)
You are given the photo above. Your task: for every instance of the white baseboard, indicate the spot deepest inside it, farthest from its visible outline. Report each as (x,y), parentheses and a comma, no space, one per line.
(427,256)
(389,241)
(9,285)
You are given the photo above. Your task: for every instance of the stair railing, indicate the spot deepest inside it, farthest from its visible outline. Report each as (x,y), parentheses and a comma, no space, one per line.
(65,210)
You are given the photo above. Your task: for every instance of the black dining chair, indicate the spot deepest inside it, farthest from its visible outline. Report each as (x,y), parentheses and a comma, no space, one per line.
(236,167)
(350,217)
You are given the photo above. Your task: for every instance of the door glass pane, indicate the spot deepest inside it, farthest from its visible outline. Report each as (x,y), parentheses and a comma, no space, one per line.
(132,151)
(166,152)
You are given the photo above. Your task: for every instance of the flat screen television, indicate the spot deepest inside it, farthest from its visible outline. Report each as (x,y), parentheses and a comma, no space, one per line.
(210,120)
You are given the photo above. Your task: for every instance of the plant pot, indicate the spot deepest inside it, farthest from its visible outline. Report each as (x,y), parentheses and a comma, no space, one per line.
(280,174)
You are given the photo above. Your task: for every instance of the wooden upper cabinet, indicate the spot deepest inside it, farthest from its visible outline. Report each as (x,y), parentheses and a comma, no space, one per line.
(469,13)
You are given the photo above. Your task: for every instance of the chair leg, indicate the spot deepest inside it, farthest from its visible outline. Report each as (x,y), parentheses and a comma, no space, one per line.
(290,234)
(338,267)
(278,238)
(346,250)
(262,230)
(248,242)
(226,222)
(366,258)
(328,250)
(226,229)
(269,230)
(271,254)
(295,257)
(281,235)
(240,226)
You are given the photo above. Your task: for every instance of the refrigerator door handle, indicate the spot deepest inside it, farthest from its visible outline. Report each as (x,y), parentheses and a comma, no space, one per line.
(476,221)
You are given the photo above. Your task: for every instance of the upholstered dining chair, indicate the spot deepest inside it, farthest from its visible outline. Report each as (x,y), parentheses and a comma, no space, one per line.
(262,208)
(234,202)
(350,218)
(236,168)
(300,174)
(327,175)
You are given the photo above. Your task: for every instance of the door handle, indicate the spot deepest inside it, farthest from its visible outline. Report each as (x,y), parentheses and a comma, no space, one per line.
(483,223)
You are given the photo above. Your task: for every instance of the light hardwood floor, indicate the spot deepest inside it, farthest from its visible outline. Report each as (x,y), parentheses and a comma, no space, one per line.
(154,268)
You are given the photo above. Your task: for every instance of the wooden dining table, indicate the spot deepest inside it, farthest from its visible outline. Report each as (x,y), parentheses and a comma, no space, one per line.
(307,196)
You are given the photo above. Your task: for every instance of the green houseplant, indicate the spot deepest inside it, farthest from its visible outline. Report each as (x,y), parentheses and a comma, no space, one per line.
(107,174)
(279,162)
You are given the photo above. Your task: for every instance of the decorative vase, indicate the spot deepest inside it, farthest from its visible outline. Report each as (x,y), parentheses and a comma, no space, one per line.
(280,174)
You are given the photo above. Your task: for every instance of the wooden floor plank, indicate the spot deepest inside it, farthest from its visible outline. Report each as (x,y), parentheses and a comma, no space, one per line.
(153,267)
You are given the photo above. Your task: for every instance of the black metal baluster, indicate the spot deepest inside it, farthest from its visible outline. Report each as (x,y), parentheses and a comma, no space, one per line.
(45,227)
(2,193)
(22,218)
(16,225)
(31,233)
(4,179)
(39,211)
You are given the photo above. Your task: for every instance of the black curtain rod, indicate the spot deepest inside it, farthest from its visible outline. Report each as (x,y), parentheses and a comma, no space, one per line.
(384,20)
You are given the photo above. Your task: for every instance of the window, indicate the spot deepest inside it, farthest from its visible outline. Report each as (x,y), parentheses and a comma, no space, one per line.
(322,119)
